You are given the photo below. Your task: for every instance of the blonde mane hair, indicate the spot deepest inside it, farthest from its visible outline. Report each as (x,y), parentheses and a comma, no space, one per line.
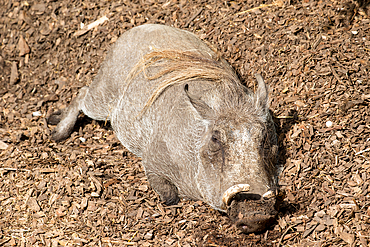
(179,66)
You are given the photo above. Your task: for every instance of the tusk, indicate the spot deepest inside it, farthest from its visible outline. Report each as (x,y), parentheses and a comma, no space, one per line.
(268,195)
(233,190)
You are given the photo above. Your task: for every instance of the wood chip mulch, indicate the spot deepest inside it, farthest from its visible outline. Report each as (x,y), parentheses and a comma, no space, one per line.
(89,191)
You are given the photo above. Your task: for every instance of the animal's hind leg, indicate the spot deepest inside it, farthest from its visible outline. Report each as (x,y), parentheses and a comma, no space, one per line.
(66,119)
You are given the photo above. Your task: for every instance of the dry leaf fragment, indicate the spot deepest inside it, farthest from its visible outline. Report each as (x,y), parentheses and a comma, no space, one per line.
(300,228)
(12,242)
(362,238)
(28,195)
(2,62)
(83,203)
(33,205)
(149,235)
(275,3)
(300,103)
(14,73)
(3,145)
(143,187)
(111,182)
(23,46)
(39,8)
(295,29)
(63,242)
(352,206)
(139,213)
(320,228)
(357,179)
(296,133)
(94,194)
(347,237)
(170,241)
(282,223)
(309,230)
(52,198)
(47,170)
(60,211)
(344,107)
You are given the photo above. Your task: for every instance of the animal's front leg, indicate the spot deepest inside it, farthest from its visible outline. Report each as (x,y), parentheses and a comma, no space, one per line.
(167,191)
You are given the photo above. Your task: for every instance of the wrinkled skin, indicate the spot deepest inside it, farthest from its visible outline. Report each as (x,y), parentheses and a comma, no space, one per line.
(200,137)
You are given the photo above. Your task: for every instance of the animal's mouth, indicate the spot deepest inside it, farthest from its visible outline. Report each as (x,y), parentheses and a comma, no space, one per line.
(252,213)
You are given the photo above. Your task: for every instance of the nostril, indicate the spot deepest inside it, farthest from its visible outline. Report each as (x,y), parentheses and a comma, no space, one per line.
(243,226)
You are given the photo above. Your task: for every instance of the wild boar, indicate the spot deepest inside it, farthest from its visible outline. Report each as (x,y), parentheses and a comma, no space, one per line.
(201,134)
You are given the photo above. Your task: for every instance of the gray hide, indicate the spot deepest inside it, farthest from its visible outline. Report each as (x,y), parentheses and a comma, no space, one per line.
(199,137)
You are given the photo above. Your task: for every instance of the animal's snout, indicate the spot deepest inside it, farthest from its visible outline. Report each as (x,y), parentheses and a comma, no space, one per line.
(255,222)
(253,212)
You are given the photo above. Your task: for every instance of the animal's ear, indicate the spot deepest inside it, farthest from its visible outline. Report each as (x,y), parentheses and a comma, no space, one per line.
(262,97)
(202,108)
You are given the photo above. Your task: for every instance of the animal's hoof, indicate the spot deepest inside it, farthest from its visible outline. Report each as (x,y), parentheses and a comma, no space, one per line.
(55,117)
(171,201)
(56,136)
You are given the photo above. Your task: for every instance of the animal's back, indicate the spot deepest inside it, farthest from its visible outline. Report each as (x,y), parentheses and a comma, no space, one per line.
(112,97)
(129,49)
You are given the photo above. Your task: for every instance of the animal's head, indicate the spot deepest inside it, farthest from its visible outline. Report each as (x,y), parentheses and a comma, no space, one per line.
(238,153)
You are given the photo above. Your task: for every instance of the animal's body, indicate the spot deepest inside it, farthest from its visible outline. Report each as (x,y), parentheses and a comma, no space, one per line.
(201,134)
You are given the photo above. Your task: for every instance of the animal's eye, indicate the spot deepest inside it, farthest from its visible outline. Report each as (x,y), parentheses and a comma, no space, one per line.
(214,138)
(215,143)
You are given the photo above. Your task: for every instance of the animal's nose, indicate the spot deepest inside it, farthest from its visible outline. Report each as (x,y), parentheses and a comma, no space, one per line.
(252,212)
(254,222)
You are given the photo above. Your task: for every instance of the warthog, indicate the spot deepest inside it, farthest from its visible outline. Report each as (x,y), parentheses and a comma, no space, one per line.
(201,134)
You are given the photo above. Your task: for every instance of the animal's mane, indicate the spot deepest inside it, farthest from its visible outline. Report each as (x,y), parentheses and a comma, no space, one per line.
(178,66)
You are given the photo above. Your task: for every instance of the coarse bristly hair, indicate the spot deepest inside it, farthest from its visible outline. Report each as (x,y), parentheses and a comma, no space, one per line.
(178,66)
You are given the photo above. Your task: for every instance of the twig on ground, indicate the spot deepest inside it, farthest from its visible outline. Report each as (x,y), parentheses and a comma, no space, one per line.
(193,17)
(276,3)
(282,236)
(92,25)
(363,151)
